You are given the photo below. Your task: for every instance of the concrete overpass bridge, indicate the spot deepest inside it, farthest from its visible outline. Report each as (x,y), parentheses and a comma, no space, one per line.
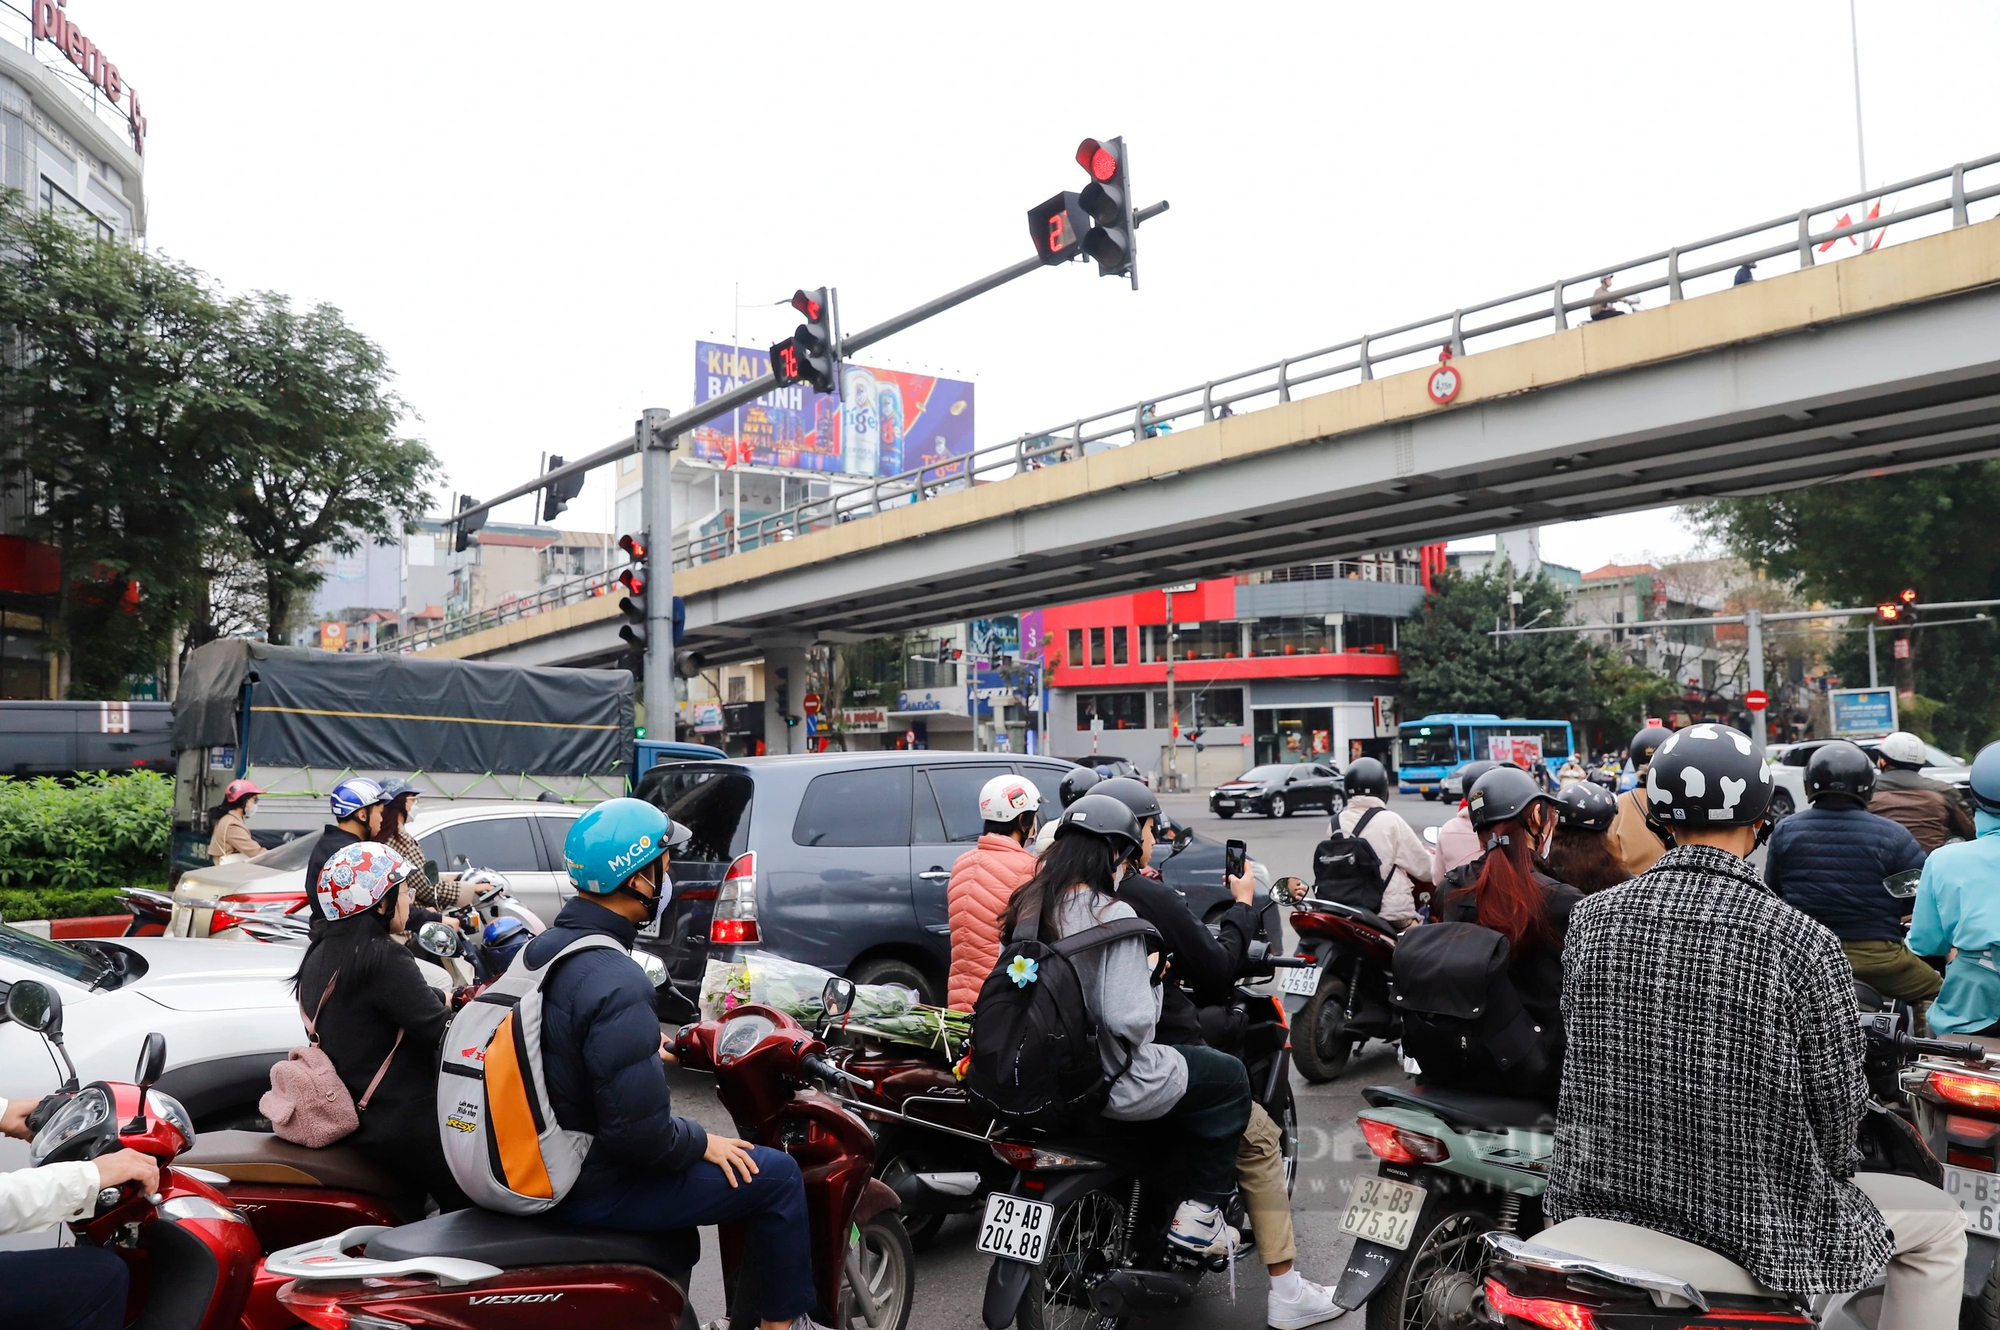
(1855,361)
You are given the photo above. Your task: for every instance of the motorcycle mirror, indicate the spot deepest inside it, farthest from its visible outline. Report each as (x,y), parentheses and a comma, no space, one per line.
(35,1006)
(1903,885)
(838,996)
(1288,890)
(152,1060)
(655,968)
(1431,836)
(431,869)
(438,938)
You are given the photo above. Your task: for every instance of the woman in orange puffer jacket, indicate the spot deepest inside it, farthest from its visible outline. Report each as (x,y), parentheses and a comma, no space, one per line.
(982,880)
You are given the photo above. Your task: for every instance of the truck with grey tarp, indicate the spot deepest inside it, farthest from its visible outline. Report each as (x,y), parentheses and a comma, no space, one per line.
(298,721)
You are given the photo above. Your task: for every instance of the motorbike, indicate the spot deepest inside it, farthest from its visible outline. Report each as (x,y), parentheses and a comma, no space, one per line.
(436,1271)
(152,911)
(1341,1001)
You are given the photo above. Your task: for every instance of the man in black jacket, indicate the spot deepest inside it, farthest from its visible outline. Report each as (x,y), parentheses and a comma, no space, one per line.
(1202,973)
(356,805)
(604,1056)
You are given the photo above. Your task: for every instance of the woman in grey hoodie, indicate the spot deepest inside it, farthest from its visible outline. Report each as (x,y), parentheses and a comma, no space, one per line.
(1205,1094)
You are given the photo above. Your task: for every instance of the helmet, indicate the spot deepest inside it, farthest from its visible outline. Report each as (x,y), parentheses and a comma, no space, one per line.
(500,930)
(1005,798)
(616,839)
(1839,770)
(1708,775)
(1501,794)
(352,795)
(357,877)
(1986,779)
(1585,807)
(483,880)
(1469,774)
(240,789)
(1103,816)
(1904,749)
(395,788)
(1365,775)
(548,797)
(1076,784)
(1132,793)
(1646,743)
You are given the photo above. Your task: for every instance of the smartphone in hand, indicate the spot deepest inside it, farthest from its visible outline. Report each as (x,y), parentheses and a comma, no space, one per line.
(1235,858)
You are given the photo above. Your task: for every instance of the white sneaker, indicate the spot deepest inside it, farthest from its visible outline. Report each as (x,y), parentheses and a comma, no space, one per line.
(1313,1305)
(1199,1229)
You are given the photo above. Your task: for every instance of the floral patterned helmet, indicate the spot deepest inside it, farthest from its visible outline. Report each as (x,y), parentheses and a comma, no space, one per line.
(357,877)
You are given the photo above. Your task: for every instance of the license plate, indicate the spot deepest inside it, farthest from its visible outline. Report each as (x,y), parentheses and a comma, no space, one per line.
(1303,983)
(1978,1194)
(1018,1228)
(1383,1211)
(1225,803)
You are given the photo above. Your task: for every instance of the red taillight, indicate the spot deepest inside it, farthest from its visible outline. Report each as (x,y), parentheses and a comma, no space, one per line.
(1278,1005)
(1539,1311)
(1967,1091)
(1398,1146)
(735,920)
(322,1311)
(732,932)
(1014,1154)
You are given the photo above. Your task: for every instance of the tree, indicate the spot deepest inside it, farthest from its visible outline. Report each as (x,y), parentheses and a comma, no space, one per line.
(105,388)
(312,458)
(1863,541)
(1451,661)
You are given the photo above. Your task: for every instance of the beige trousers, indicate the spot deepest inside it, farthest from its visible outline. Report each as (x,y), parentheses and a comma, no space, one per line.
(1927,1273)
(1260,1169)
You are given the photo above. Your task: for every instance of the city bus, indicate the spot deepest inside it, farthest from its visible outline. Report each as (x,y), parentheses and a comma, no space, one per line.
(1434,748)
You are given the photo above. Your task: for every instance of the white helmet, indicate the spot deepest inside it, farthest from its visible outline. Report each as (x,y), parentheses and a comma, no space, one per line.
(1005,798)
(1903,747)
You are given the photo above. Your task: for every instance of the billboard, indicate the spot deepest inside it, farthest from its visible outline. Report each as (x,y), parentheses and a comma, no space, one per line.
(1862,713)
(885,422)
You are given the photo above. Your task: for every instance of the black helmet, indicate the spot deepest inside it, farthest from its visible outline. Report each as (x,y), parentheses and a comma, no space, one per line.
(1103,816)
(1132,793)
(1585,807)
(1366,776)
(1469,774)
(1075,784)
(1839,770)
(1502,793)
(1646,743)
(1707,775)
(1986,779)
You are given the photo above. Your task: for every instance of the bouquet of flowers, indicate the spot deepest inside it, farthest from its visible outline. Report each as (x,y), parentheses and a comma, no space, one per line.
(885,1011)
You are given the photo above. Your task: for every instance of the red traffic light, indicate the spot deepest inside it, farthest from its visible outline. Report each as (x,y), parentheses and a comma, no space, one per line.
(634,547)
(1097,159)
(806,305)
(633,581)
(1889,611)
(1907,596)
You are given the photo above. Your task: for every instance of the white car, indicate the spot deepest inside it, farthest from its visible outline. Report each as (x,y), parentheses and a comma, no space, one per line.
(521,841)
(1788,767)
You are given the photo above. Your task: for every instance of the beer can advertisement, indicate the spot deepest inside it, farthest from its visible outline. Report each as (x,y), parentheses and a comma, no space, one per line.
(885,422)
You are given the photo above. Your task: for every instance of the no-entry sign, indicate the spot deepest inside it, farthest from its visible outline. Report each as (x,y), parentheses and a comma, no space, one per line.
(1756,699)
(810,704)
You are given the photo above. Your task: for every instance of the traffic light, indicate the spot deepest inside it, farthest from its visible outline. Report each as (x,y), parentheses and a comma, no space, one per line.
(466,526)
(688,664)
(633,603)
(812,353)
(1114,241)
(1058,226)
(1900,610)
(558,493)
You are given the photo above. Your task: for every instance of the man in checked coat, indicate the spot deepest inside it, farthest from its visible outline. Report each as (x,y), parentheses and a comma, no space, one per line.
(1713,1082)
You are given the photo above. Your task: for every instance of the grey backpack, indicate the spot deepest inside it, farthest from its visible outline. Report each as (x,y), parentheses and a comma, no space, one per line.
(501,1137)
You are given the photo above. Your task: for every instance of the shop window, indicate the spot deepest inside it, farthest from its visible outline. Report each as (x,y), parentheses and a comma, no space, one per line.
(1118,711)
(1201,707)
(1075,656)
(1293,636)
(1193,641)
(1370,632)
(1120,647)
(1097,646)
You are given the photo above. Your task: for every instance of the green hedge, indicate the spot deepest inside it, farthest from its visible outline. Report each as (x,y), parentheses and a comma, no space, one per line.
(94,833)
(17,904)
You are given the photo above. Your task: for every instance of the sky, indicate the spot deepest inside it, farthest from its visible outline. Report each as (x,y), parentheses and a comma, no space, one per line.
(538,209)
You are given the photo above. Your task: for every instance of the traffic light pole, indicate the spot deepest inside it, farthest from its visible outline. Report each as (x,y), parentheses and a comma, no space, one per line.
(657,499)
(1753,633)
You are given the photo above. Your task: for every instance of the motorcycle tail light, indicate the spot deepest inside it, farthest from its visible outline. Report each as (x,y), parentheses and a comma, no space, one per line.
(1028,1159)
(1966,1091)
(1398,1146)
(1546,1312)
(325,1311)
(734,922)
(1278,1005)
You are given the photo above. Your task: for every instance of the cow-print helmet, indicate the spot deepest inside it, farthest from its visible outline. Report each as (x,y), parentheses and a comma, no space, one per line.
(1707,776)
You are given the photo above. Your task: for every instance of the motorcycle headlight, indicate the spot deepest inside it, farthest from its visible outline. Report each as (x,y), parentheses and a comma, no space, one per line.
(85,1115)
(742,1034)
(168,1107)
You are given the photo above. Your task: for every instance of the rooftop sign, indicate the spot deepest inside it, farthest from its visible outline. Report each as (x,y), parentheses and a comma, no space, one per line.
(52,25)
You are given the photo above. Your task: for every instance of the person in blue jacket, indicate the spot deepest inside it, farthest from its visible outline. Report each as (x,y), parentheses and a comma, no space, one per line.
(605,1059)
(1830,861)
(1958,909)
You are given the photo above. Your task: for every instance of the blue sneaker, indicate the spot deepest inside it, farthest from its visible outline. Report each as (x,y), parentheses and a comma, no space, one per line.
(1198,1229)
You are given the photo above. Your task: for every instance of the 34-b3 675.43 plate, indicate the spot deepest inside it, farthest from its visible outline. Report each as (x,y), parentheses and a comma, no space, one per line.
(1016,1228)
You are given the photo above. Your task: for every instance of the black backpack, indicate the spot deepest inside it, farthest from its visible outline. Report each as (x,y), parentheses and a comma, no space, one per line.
(1037,1058)
(1346,868)
(1463,1019)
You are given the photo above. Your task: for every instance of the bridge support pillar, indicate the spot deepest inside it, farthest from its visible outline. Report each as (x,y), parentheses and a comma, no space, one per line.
(785,684)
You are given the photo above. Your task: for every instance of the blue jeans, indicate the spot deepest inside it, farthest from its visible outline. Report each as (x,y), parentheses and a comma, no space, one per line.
(62,1288)
(773,1204)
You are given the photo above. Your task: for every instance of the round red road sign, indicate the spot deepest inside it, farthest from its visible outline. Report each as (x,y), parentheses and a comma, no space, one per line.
(1756,699)
(810,704)
(1445,381)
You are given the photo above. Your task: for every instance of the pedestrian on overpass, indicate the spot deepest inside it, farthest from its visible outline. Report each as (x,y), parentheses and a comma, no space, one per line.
(1602,305)
(1632,837)
(984,879)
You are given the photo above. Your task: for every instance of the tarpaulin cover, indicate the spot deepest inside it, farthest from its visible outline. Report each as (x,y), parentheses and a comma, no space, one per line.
(311,708)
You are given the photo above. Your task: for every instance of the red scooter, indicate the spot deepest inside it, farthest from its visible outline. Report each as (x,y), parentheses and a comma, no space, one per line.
(1343,1000)
(476,1268)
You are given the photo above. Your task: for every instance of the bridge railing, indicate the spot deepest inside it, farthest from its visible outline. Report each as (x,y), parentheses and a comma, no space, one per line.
(1921,205)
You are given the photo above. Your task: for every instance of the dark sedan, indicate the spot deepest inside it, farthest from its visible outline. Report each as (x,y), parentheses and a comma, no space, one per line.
(1279,790)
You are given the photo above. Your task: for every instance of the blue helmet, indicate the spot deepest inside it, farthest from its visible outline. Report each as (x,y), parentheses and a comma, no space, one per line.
(500,931)
(352,795)
(1986,779)
(616,839)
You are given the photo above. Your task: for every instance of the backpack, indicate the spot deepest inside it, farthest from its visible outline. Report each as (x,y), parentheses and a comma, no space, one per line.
(308,1104)
(1346,868)
(1463,1019)
(506,1150)
(1038,1053)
